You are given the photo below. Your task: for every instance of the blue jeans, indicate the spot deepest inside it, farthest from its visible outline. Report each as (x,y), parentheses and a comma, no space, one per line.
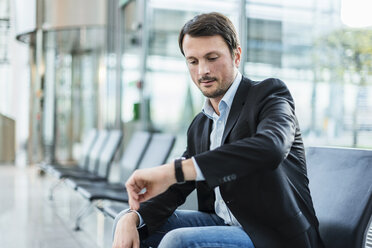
(192,229)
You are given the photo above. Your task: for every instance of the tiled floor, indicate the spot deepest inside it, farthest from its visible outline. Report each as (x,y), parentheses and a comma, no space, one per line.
(29,220)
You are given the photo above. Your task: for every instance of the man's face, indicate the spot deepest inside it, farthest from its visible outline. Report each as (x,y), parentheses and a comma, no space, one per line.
(211,65)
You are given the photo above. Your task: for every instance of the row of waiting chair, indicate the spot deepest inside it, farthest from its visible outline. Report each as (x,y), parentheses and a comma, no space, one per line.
(90,177)
(98,152)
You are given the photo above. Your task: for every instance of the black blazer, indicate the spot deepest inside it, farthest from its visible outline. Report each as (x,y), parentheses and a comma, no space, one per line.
(260,168)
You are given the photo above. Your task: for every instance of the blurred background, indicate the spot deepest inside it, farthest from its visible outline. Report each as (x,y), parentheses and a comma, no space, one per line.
(70,66)
(67,66)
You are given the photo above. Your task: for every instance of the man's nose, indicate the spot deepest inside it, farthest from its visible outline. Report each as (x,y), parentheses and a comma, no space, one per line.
(203,68)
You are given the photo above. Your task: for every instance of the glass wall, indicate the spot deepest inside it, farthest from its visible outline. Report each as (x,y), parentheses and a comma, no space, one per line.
(290,40)
(74,65)
(71,89)
(130,63)
(303,43)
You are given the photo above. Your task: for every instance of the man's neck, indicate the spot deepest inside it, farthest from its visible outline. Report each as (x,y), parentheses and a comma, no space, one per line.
(215,102)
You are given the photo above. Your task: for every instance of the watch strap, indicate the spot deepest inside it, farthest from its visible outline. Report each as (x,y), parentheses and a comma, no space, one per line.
(178,170)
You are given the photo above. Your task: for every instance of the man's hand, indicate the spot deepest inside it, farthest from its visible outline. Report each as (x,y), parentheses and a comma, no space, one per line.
(126,233)
(147,183)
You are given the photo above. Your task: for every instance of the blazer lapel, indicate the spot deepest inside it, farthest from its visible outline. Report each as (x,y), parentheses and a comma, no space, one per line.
(205,139)
(236,107)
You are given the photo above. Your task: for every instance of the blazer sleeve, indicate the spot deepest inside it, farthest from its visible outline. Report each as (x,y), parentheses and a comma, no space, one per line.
(266,148)
(158,209)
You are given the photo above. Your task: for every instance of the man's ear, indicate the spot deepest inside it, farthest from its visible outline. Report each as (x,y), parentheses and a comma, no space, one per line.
(237,56)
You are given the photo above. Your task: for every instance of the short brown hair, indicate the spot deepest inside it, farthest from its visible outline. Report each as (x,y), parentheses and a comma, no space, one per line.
(209,25)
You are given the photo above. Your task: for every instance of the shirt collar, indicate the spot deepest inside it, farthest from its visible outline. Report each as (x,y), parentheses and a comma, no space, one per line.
(226,100)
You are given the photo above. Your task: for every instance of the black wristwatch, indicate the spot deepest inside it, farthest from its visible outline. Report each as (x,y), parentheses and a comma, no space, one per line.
(178,170)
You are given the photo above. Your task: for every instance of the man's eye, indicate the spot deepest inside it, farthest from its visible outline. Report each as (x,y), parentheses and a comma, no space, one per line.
(212,58)
(192,62)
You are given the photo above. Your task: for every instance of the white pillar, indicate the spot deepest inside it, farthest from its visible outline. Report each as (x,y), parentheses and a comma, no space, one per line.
(19,78)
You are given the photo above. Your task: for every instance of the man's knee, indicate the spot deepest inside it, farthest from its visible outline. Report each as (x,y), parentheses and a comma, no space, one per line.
(176,238)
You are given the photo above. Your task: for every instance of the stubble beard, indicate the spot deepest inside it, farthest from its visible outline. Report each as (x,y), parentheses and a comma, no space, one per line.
(218,92)
(215,94)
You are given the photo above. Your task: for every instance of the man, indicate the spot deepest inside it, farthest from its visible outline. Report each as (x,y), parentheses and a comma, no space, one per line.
(244,156)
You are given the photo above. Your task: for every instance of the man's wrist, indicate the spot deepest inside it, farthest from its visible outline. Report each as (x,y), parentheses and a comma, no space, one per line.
(132,217)
(188,169)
